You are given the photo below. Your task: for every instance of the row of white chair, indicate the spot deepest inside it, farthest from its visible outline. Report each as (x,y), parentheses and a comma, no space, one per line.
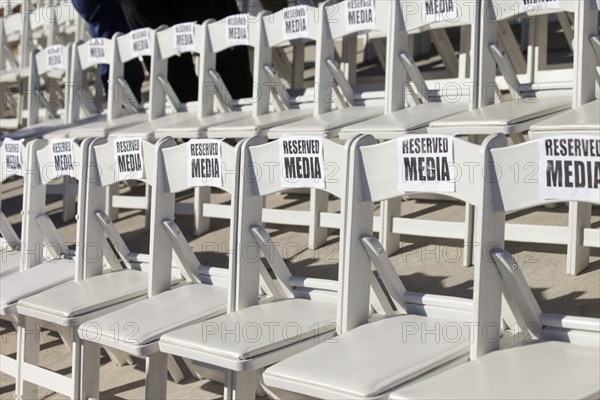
(272,111)
(239,320)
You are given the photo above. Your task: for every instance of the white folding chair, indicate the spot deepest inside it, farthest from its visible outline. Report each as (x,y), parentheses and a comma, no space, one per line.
(202,295)
(12,155)
(86,108)
(271,102)
(123,109)
(528,105)
(560,349)
(94,291)
(395,357)
(584,116)
(331,85)
(408,110)
(307,304)
(45,260)
(51,60)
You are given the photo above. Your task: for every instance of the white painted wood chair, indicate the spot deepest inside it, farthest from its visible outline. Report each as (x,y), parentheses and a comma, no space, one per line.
(559,349)
(10,243)
(256,334)
(45,261)
(86,117)
(332,88)
(416,333)
(528,106)
(272,104)
(203,293)
(40,64)
(123,109)
(94,291)
(408,110)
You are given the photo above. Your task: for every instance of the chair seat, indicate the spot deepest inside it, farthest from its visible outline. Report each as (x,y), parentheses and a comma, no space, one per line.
(196,127)
(252,125)
(158,315)
(39,278)
(403,121)
(260,329)
(503,114)
(183,125)
(579,120)
(326,123)
(38,130)
(102,127)
(64,132)
(372,359)
(544,370)
(10,262)
(77,298)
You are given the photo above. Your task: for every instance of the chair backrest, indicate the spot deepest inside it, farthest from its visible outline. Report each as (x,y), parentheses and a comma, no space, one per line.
(296,24)
(127,47)
(341,20)
(414,162)
(12,157)
(292,161)
(492,55)
(52,58)
(547,170)
(551,169)
(119,160)
(217,36)
(86,55)
(49,161)
(211,163)
(429,16)
(170,42)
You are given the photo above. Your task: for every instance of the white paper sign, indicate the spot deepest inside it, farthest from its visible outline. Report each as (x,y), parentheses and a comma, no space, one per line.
(130,159)
(534,5)
(570,168)
(64,157)
(360,14)
(295,22)
(185,38)
(13,156)
(426,163)
(204,163)
(140,42)
(97,52)
(301,160)
(54,57)
(439,10)
(237,30)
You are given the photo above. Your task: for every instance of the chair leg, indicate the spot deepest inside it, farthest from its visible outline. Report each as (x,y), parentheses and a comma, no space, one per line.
(69,195)
(118,357)
(469,231)
(318,203)
(76,363)
(28,352)
(90,370)
(578,255)
(201,223)
(148,198)
(174,370)
(388,210)
(240,385)
(112,212)
(156,376)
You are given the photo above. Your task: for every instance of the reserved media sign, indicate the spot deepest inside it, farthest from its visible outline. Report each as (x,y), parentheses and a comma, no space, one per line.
(570,168)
